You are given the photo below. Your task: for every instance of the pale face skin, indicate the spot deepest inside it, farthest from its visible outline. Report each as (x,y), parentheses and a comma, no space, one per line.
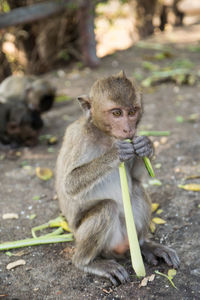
(119,121)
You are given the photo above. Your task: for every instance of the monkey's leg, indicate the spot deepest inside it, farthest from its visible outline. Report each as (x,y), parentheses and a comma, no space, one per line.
(151,251)
(98,231)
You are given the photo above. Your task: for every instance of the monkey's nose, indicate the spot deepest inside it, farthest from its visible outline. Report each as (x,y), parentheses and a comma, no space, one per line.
(128,132)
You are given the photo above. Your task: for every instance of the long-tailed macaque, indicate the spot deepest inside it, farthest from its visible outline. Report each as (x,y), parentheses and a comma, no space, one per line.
(37,93)
(19,125)
(88,183)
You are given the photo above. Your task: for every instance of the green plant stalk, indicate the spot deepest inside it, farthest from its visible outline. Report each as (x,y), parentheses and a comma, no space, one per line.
(148,166)
(38,228)
(154,133)
(52,223)
(37,241)
(136,257)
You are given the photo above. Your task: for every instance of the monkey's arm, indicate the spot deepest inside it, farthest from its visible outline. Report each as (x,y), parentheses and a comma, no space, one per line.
(85,175)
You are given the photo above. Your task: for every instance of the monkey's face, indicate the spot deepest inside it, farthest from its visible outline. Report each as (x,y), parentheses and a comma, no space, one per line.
(116,120)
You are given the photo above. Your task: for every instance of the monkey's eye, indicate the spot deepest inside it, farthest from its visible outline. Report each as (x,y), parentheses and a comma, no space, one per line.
(131,113)
(117,113)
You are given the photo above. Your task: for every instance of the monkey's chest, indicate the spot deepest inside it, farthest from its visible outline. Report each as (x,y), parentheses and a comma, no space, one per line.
(110,188)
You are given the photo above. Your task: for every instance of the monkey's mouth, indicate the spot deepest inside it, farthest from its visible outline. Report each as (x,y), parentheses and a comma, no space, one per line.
(124,137)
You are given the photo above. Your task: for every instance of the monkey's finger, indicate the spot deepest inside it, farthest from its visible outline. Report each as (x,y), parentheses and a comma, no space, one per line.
(145,151)
(126,150)
(175,261)
(112,279)
(138,139)
(143,143)
(166,258)
(124,144)
(170,257)
(123,275)
(126,156)
(120,278)
(150,258)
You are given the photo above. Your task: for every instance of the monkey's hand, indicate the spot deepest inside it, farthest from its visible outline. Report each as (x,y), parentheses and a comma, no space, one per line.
(152,251)
(125,150)
(143,146)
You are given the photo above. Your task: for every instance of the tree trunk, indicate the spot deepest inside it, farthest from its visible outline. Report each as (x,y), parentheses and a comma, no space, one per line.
(145,12)
(54,42)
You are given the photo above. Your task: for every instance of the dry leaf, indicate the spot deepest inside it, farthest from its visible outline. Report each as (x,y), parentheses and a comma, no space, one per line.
(107,291)
(52,140)
(156,144)
(15,264)
(190,187)
(163,140)
(158,165)
(147,279)
(65,226)
(20,253)
(10,216)
(152,227)
(44,173)
(152,277)
(158,221)
(159,211)
(143,282)
(154,206)
(171,273)
(33,216)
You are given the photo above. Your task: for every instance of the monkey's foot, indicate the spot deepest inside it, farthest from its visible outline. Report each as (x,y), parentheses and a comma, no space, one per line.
(109,269)
(151,251)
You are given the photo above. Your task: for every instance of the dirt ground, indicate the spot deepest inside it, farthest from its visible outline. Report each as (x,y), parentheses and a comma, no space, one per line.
(48,273)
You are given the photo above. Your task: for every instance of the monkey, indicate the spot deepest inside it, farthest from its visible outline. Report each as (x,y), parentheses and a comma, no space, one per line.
(38,94)
(88,182)
(19,125)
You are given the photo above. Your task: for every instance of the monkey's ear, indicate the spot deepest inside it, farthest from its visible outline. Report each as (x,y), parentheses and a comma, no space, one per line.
(84,102)
(121,74)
